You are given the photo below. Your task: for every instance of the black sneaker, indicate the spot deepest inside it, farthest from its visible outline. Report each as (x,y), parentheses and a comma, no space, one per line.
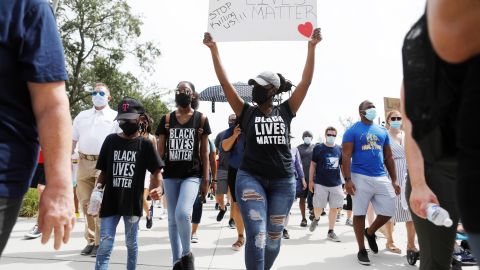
(362,257)
(188,262)
(372,241)
(94,251)
(285,234)
(221,214)
(228,204)
(87,250)
(323,214)
(216,206)
(231,224)
(149,223)
(303,223)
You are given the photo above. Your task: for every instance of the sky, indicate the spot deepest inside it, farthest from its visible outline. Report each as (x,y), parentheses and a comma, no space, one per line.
(359,57)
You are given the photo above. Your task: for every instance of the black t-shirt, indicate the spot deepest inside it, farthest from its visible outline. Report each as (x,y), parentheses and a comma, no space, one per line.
(182,157)
(267,151)
(125,162)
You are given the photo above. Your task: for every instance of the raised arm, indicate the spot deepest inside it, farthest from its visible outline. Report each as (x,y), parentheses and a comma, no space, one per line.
(235,101)
(301,90)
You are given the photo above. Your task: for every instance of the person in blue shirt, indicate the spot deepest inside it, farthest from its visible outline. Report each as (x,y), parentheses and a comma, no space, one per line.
(234,141)
(325,182)
(34,111)
(366,153)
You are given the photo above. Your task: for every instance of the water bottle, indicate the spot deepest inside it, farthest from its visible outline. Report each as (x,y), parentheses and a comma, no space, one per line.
(95,200)
(438,216)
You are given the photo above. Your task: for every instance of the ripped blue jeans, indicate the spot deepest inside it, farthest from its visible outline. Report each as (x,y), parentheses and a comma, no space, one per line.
(264,205)
(108,229)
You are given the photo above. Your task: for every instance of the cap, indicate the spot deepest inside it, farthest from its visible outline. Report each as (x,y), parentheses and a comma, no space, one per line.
(307,134)
(266,78)
(129,108)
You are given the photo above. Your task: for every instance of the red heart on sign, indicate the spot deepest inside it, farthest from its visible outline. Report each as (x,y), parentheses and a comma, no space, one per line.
(306,29)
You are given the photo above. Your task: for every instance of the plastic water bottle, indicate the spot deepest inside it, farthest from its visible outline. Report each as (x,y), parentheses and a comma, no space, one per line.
(438,216)
(95,200)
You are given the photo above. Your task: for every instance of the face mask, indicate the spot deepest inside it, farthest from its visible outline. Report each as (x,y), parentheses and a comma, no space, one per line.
(396,124)
(183,100)
(330,140)
(307,140)
(259,95)
(99,101)
(371,113)
(129,128)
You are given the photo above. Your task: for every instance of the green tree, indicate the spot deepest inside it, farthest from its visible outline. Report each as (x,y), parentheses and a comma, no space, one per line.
(99,36)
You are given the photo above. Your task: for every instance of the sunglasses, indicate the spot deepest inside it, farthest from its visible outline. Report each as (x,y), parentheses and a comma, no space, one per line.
(396,118)
(331,135)
(94,93)
(187,91)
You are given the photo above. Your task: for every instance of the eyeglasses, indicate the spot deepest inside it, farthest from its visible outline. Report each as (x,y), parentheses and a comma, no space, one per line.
(396,118)
(331,135)
(94,93)
(187,91)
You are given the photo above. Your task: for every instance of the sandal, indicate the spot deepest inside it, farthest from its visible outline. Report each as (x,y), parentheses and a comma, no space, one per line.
(392,248)
(239,244)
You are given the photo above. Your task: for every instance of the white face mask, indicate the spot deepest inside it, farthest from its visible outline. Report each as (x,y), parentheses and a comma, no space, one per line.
(100,101)
(330,140)
(307,140)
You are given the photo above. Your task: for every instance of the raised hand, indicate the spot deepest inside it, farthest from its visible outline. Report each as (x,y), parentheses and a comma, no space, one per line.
(208,40)
(316,37)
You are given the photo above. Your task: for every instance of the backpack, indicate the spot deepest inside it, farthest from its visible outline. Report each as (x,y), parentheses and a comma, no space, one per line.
(198,123)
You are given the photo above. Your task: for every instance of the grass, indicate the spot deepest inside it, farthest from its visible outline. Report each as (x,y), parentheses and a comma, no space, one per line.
(30,204)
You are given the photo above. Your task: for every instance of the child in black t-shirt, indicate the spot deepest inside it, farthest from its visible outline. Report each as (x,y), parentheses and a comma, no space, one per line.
(123,161)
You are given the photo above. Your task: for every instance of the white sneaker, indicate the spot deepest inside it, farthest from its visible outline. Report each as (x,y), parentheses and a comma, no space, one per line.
(33,233)
(194,238)
(333,237)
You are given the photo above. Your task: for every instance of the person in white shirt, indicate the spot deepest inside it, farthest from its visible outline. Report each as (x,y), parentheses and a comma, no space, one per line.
(90,128)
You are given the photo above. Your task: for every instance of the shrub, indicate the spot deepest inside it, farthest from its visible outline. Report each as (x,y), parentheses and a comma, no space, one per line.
(30,204)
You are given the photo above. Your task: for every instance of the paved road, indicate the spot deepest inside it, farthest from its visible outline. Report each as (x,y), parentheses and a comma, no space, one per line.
(304,250)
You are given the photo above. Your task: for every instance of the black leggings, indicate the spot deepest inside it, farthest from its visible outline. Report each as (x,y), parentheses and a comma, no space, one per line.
(9,209)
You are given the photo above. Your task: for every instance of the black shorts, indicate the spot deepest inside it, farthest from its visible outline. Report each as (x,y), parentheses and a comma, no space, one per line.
(232,179)
(38,176)
(302,194)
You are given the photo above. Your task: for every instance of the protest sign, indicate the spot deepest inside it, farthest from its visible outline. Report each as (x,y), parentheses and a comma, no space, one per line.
(248,20)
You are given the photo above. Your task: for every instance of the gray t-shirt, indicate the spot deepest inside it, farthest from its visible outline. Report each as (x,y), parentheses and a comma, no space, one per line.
(305,151)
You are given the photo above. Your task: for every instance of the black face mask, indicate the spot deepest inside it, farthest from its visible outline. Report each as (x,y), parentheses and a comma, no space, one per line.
(183,100)
(129,128)
(260,95)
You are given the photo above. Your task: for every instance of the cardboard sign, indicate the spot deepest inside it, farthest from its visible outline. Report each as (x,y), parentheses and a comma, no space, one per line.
(391,104)
(262,20)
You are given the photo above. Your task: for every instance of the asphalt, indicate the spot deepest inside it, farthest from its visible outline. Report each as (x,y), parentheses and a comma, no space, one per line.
(305,250)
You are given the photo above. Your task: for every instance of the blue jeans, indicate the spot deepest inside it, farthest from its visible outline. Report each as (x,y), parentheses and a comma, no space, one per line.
(108,229)
(181,194)
(264,205)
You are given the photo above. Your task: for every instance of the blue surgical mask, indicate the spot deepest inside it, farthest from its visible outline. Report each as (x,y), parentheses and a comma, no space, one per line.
(100,101)
(330,140)
(371,113)
(396,124)
(307,140)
